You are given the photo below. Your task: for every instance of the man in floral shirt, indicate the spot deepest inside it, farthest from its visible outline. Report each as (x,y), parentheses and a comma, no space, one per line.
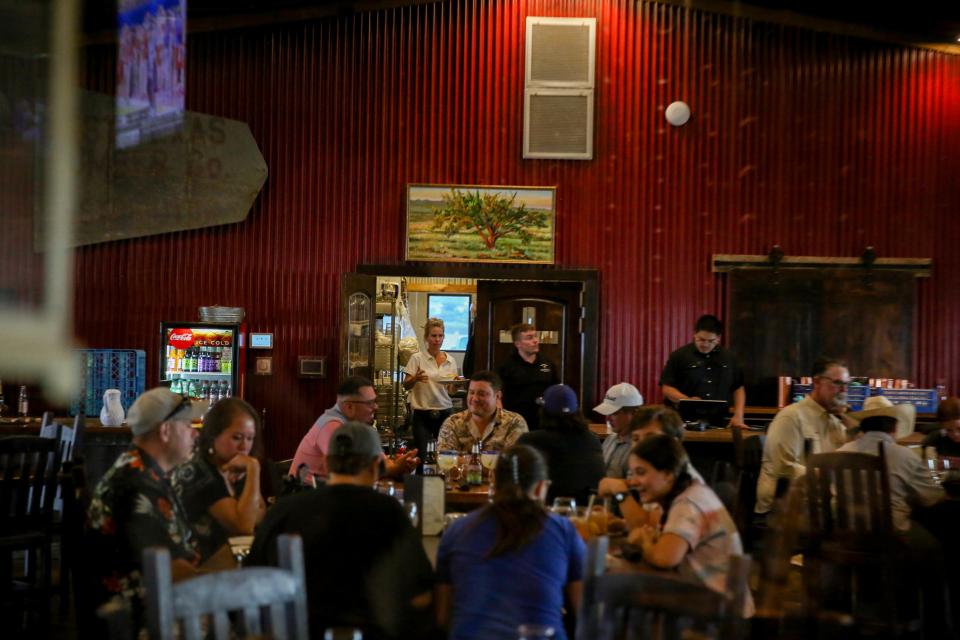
(134,506)
(483,421)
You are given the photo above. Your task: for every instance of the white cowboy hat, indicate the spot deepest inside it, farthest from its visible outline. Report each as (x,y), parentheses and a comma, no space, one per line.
(906,414)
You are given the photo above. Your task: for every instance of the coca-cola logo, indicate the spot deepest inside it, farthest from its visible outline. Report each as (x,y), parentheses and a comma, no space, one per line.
(181,338)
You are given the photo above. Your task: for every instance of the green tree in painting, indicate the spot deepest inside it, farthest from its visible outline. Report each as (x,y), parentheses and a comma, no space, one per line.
(491,216)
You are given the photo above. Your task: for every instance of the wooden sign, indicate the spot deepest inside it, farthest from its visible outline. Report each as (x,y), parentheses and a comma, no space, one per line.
(207,174)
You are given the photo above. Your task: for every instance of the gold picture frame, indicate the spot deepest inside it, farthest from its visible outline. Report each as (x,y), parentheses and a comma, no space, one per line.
(481,223)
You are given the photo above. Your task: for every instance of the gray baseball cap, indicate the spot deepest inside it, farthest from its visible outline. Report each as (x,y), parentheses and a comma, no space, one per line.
(158,405)
(355,438)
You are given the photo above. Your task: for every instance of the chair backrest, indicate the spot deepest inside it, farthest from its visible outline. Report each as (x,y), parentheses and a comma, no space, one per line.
(748,451)
(656,604)
(264,600)
(79,429)
(29,467)
(64,436)
(849,497)
(725,481)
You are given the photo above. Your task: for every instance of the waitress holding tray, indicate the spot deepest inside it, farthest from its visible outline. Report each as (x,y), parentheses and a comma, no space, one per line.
(425,376)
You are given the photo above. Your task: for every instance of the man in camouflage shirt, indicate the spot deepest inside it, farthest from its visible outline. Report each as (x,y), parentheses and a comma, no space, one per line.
(134,507)
(483,421)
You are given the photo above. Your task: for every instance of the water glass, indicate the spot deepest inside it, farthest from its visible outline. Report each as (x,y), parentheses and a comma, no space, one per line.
(535,632)
(387,488)
(343,633)
(413,513)
(565,507)
(932,464)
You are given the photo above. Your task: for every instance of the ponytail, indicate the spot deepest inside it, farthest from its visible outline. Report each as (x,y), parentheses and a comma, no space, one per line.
(519,517)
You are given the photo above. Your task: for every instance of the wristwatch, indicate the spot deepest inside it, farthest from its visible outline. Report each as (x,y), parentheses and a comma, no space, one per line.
(619,497)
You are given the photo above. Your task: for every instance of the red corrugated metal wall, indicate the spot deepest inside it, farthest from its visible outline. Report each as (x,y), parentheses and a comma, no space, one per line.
(820,143)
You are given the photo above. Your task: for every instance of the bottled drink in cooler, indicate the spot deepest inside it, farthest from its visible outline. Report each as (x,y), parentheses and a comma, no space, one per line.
(226,360)
(193,389)
(175,385)
(225,390)
(215,361)
(171,358)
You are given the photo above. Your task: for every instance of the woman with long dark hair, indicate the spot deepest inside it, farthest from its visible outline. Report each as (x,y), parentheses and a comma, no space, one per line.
(512,562)
(696,534)
(220,485)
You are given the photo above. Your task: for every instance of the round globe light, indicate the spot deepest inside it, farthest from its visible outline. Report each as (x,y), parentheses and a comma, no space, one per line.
(678,113)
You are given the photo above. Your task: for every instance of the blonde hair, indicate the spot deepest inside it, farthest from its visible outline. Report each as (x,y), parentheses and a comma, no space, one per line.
(431,323)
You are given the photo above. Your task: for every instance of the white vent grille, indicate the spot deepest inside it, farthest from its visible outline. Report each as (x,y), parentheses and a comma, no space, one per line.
(558,123)
(558,97)
(560,55)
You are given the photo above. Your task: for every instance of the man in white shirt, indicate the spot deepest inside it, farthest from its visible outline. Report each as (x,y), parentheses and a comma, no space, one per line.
(819,417)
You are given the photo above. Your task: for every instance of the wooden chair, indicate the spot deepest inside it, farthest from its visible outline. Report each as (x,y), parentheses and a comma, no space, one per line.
(29,468)
(656,604)
(117,620)
(65,437)
(212,598)
(725,480)
(45,421)
(851,529)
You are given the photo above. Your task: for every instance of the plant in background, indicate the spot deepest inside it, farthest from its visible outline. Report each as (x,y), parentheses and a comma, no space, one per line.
(491,216)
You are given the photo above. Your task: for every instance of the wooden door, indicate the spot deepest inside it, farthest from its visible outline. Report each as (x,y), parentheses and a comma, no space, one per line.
(555,310)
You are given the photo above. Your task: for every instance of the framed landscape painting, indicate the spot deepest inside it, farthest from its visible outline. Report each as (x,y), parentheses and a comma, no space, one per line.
(466,223)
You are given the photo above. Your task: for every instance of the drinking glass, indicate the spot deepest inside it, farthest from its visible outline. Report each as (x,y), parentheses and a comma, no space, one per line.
(387,487)
(932,464)
(413,513)
(446,460)
(535,632)
(598,519)
(565,507)
(489,461)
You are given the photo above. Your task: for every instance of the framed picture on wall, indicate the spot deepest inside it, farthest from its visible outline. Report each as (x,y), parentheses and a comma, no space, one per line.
(468,223)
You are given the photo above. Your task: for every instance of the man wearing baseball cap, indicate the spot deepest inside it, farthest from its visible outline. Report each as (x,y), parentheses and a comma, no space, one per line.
(134,507)
(619,405)
(365,563)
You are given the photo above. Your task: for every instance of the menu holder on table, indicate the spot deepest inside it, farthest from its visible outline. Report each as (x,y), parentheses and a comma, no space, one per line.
(429,493)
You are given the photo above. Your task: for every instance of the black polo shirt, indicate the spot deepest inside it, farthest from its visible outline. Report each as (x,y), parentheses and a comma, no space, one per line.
(709,376)
(523,383)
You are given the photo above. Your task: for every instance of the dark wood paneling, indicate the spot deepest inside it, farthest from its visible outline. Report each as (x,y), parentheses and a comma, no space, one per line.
(783,320)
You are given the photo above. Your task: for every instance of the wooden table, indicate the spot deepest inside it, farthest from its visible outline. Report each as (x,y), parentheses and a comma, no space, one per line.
(468,500)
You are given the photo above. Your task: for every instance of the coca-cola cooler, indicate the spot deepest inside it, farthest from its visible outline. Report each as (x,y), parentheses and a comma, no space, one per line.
(203,359)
